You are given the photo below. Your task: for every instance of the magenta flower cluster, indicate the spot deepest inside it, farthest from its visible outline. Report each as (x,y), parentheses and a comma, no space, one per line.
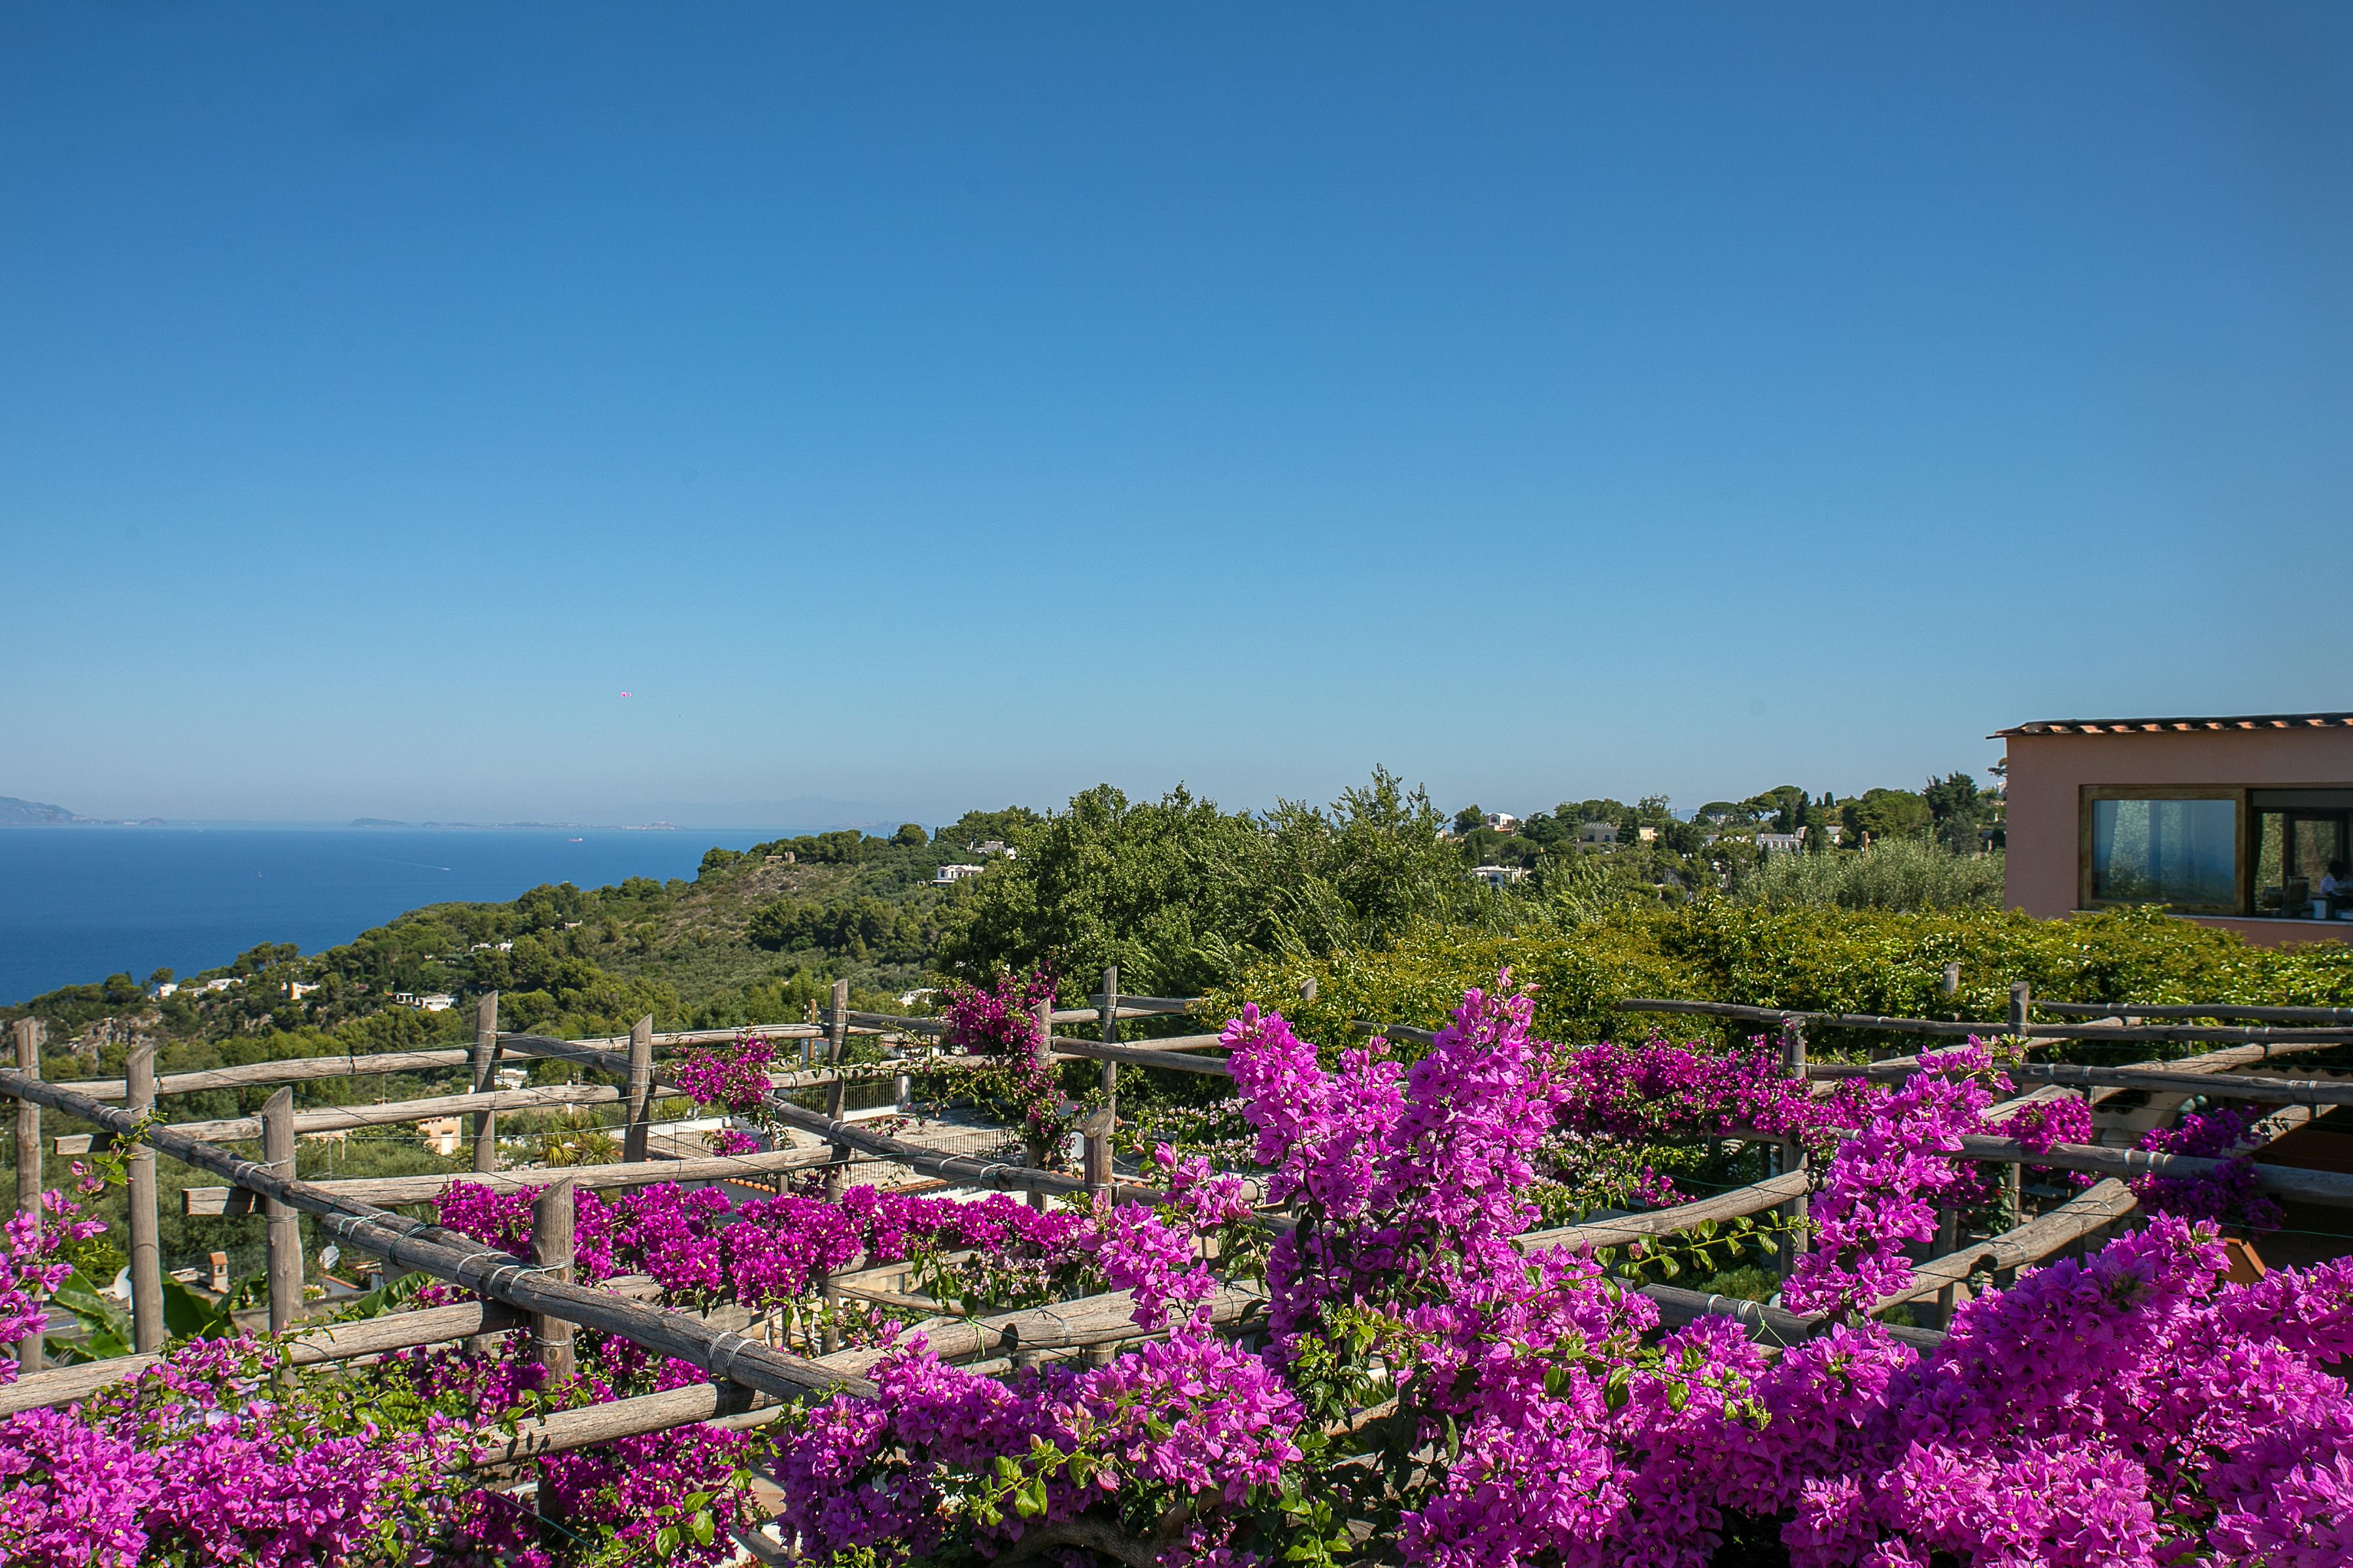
(32,1264)
(733,1141)
(735,1075)
(998,1019)
(699,1246)
(1882,1186)
(2230,1195)
(202,1461)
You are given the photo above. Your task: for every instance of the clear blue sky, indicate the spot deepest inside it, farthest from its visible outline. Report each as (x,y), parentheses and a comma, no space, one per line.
(924,407)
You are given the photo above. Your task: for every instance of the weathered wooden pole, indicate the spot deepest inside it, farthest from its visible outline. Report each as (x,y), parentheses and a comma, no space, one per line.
(552,1215)
(485,1066)
(29,1162)
(1099,1144)
(836,1038)
(641,1088)
(146,1250)
(1043,1055)
(2013,1178)
(1793,1153)
(837,1168)
(285,1226)
(1949,1241)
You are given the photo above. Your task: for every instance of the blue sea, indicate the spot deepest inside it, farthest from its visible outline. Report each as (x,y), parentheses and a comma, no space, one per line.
(78,904)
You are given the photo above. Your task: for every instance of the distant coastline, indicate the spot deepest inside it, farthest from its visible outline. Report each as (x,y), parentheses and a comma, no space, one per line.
(15,813)
(88,903)
(526,826)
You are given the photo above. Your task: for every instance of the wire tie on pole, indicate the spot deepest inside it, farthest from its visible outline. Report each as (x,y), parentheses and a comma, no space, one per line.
(724,1353)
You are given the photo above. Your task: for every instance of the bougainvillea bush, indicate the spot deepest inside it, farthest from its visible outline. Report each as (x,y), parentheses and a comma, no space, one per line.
(1425,1391)
(1386,1368)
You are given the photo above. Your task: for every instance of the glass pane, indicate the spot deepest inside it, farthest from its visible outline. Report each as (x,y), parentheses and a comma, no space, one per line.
(2165,851)
(2313,843)
(2271,868)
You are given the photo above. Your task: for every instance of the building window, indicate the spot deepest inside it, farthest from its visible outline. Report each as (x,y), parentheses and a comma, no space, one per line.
(2298,836)
(2180,852)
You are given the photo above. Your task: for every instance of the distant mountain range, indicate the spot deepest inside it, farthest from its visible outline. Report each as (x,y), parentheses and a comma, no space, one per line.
(599,826)
(15,812)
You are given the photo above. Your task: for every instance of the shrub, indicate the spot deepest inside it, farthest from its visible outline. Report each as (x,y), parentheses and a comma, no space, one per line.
(1893,874)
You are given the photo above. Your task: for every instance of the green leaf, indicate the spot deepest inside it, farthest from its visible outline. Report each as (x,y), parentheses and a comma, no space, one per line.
(187,1315)
(106,1326)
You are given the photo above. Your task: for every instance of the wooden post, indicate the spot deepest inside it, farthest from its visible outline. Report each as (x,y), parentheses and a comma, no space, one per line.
(552,1215)
(29,1162)
(485,1066)
(146,1251)
(1044,1057)
(837,1170)
(2013,1178)
(1793,1153)
(1949,1241)
(641,1088)
(836,1032)
(1099,1150)
(285,1232)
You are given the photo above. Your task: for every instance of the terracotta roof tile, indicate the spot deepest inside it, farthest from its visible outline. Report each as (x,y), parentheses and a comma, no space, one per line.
(2154,726)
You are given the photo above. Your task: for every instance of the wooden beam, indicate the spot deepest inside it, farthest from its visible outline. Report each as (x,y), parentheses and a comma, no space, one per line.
(2165,1079)
(2325,1188)
(2198,1010)
(1090,1321)
(343,1342)
(2100,1204)
(1140,1056)
(388,1191)
(889,1022)
(1623,1229)
(1144,1006)
(293,1070)
(1986,1030)
(565,1430)
(335,1118)
(1771,1324)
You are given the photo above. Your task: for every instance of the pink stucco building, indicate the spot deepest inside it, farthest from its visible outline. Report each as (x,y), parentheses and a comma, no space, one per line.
(2231,821)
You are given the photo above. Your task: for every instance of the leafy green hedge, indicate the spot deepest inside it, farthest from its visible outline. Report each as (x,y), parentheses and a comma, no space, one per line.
(1808,959)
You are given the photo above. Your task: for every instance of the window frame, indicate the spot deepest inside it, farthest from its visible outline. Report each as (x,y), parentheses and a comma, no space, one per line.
(2241,858)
